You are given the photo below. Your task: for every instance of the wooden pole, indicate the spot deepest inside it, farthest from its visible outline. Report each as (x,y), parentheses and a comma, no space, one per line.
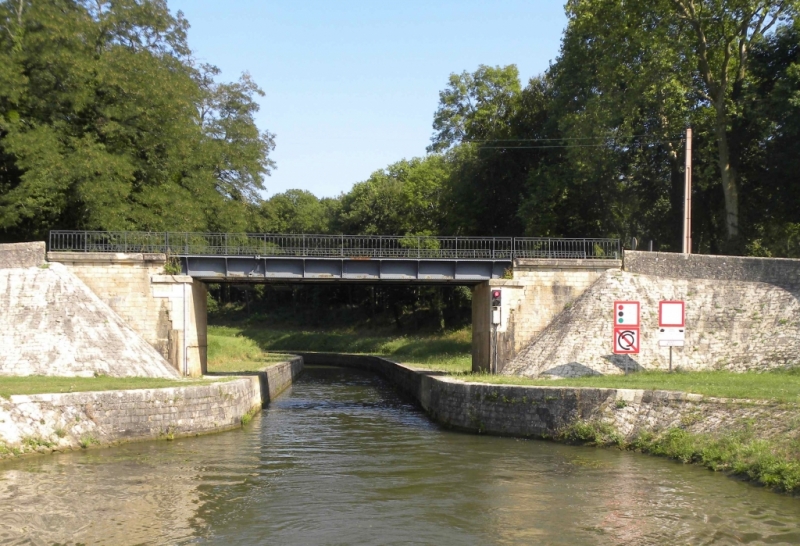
(687,196)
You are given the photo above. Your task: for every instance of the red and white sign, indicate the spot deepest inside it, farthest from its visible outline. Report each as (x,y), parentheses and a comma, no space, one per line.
(626,313)
(671,314)
(626,340)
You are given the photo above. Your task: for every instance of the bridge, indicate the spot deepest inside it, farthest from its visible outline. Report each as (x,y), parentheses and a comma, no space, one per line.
(251,257)
(538,277)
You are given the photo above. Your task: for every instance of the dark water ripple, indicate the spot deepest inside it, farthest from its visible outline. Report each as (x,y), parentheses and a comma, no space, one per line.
(344,460)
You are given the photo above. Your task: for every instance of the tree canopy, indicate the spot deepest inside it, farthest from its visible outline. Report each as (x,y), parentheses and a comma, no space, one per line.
(106,123)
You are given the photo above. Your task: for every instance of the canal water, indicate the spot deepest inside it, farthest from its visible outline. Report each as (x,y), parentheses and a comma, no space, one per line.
(342,459)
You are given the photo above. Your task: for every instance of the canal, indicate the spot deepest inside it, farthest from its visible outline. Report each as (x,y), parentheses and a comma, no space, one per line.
(342,459)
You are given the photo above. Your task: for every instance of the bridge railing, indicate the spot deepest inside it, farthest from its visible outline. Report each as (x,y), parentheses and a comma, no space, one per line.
(331,246)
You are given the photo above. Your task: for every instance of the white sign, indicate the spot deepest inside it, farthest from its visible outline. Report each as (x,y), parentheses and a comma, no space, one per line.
(626,313)
(671,337)
(671,314)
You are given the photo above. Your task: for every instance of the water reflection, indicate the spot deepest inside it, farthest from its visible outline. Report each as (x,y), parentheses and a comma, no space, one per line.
(344,460)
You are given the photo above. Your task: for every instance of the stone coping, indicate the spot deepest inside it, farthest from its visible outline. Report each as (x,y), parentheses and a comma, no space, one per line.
(14,255)
(169,279)
(567,263)
(105,257)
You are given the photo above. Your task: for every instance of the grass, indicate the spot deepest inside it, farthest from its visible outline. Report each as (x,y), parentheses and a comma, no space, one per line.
(779,385)
(240,345)
(231,352)
(773,462)
(37,384)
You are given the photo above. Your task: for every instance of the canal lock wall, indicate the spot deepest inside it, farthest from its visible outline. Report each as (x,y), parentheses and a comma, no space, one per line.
(65,421)
(546,412)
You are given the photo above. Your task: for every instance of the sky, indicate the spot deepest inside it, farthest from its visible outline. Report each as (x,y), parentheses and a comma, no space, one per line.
(351,86)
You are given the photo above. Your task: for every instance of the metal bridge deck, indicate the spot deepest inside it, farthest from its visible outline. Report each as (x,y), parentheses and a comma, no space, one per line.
(251,257)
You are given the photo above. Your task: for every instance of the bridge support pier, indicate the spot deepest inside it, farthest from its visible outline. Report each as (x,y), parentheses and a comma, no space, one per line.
(538,291)
(168,311)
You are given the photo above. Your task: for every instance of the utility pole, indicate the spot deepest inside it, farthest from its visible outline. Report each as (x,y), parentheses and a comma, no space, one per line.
(687,196)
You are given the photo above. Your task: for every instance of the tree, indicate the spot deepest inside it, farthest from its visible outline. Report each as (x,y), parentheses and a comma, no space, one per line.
(475,106)
(405,198)
(297,211)
(723,34)
(105,123)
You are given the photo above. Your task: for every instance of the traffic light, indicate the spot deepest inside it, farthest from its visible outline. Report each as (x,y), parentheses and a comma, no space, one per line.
(496,298)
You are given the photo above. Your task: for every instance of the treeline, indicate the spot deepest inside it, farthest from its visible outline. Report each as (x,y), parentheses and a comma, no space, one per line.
(108,123)
(595,146)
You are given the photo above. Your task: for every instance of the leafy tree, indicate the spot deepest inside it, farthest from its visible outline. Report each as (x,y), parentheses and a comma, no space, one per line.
(297,211)
(106,124)
(475,106)
(404,198)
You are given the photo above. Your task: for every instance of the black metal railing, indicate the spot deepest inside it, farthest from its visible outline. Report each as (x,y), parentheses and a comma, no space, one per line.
(332,246)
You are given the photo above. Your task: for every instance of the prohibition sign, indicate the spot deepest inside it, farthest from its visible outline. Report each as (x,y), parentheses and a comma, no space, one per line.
(626,340)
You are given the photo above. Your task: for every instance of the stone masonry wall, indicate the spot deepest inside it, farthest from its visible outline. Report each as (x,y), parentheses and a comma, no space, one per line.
(730,325)
(156,305)
(777,271)
(539,290)
(532,411)
(68,421)
(22,255)
(53,422)
(51,323)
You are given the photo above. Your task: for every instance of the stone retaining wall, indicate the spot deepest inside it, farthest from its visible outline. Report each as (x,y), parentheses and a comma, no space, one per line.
(781,272)
(51,323)
(57,422)
(541,412)
(730,325)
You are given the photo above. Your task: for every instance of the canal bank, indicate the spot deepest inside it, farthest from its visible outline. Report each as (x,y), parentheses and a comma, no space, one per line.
(43,423)
(753,439)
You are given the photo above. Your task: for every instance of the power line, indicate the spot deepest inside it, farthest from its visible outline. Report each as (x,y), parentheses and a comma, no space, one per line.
(609,137)
(561,146)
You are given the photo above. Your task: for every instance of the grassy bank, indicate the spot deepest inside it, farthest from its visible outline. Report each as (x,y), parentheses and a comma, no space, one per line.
(779,385)
(231,352)
(773,461)
(244,345)
(37,384)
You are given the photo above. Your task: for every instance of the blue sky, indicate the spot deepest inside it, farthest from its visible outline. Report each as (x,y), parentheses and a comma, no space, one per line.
(351,86)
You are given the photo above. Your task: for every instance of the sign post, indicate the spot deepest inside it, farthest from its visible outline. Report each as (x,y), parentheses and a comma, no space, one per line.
(497,304)
(671,325)
(626,327)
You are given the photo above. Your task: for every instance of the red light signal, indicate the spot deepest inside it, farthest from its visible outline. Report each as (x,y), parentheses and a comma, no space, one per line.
(496,298)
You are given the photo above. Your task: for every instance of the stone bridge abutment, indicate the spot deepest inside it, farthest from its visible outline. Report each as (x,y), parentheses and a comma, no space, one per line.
(168,311)
(537,291)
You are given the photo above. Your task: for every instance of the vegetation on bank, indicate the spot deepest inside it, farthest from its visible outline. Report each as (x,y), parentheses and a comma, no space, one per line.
(39,384)
(773,461)
(243,345)
(235,353)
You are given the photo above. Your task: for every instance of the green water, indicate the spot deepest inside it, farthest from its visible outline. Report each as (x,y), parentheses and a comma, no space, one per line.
(341,459)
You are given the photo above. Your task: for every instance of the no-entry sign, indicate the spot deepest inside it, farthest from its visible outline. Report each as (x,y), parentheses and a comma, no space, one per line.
(626,341)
